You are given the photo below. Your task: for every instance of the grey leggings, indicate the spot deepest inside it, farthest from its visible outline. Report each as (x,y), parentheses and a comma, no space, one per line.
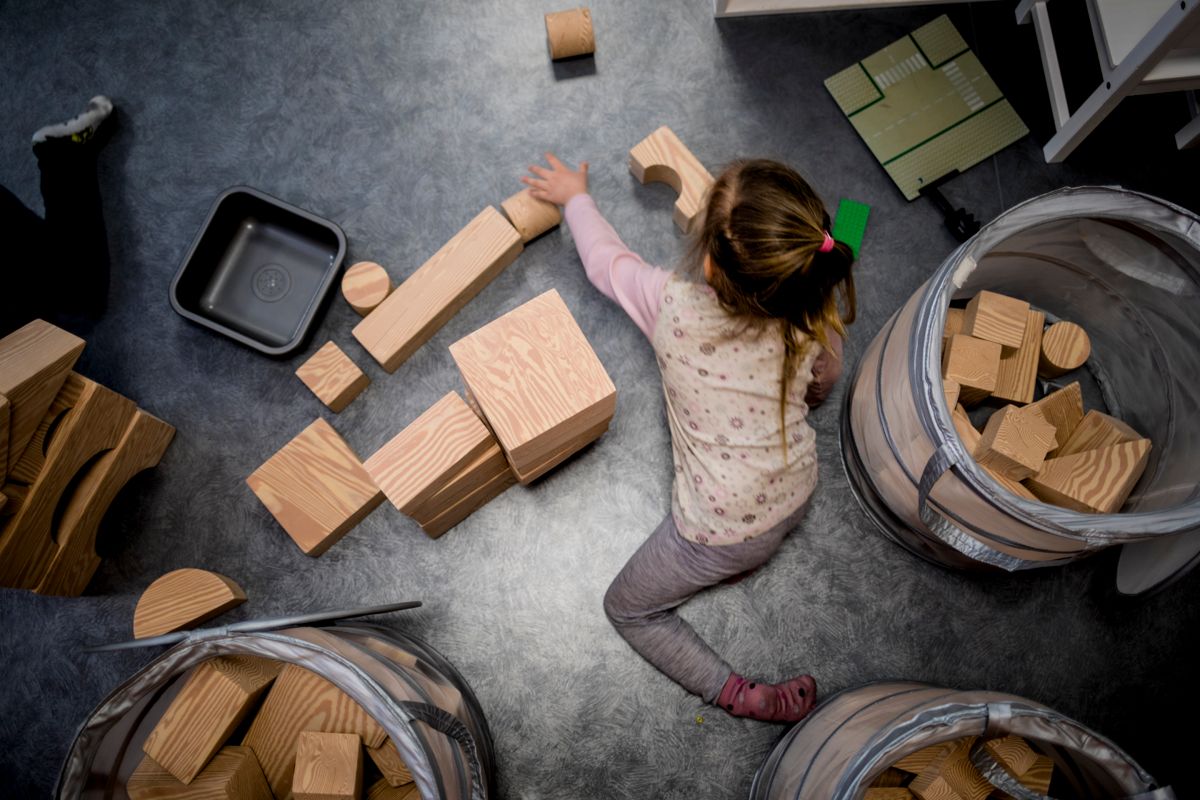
(665,571)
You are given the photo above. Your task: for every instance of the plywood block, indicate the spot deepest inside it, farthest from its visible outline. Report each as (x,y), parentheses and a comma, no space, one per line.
(75,560)
(183,599)
(387,758)
(328,766)
(951,390)
(439,288)
(1063,409)
(316,488)
(966,431)
(661,157)
(487,466)
(485,493)
(572,447)
(888,793)
(1065,346)
(974,364)
(233,774)
(332,376)
(920,760)
(1095,431)
(1092,481)
(996,318)
(951,776)
(1018,368)
(530,216)
(302,701)
(29,465)
(34,362)
(536,379)
(365,285)
(3,437)
(382,790)
(419,460)
(214,700)
(1038,776)
(889,778)
(1015,442)
(1012,753)
(570,34)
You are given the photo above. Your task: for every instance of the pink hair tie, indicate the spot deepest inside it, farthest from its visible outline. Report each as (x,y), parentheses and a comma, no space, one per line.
(826,245)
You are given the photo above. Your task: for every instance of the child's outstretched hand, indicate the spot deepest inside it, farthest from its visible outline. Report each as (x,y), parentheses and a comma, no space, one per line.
(557,184)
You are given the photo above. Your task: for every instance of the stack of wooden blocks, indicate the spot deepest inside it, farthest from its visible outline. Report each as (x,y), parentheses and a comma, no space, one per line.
(67,447)
(945,772)
(1047,450)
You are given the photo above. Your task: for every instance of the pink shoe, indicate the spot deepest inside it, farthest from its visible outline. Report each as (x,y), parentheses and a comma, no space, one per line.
(789,701)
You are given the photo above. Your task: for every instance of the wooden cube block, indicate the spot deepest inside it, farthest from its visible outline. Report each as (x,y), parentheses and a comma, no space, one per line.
(387,758)
(996,318)
(662,157)
(569,33)
(183,599)
(233,774)
(382,790)
(419,460)
(1017,376)
(214,700)
(365,285)
(966,431)
(439,288)
(1065,346)
(1013,753)
(316,488)
(1015,442)
(1092,481)
(974,364)
(951,776)
(1095,431)
(332,376)
(530,216)
(951,390)
(328,766)
(1063,409)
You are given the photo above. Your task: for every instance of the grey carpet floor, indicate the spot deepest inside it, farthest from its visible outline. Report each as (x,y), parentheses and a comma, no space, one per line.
(402,120)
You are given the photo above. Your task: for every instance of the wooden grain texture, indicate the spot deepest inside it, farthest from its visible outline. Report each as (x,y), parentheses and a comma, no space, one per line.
(3,438)
(14,495)
(530,216)
(1092,481)
(1065,346)
(74,560)
(95,424)
(953,324)
(365,285)
(482,469)
(920,760)
(302,701)
(233,774)
(183,599)
(382,790)
(1097,430)
(569,449)
(889,778)
(888,793)
(387,758)
(439,288)
(966,430)
(484,493)
(996,318)
(1038,776)
(951,776)
(951,389)
(1062,408)
(536,379)
(34,362)
(1014,443)
(33,458)
(419,460)
(661,157)
(1017,376)
(1016,487)
(1013,753)
(214,700)
(316,488)
(329,766)
(332,376)
(570,34)
(974,364)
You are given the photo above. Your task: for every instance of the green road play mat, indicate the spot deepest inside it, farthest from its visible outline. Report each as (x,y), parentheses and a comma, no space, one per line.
(926,107)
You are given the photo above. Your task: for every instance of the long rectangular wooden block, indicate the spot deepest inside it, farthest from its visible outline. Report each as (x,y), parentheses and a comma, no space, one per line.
(1063,409)
(1015,442)
(483,469)
(329,766)
(316,488)
(483,494)
(419,460)
(1097,430)
(216,697)
(997,318)
(1092,481)
(332,376)
(233,774)
(439,288)
(1017,376)
(391,765)
(973,364)
(951,776)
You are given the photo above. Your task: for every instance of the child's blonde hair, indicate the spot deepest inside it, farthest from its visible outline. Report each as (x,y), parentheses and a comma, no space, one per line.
(765,231)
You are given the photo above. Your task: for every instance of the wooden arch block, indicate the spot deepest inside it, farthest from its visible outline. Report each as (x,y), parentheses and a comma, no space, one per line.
(365,285)
(1065,346)
(182,599)
(570,34)
(333,377)
(530,216)
(661,157)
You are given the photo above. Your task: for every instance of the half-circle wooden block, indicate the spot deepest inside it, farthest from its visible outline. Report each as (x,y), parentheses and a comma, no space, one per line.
(182,599)
(661,157)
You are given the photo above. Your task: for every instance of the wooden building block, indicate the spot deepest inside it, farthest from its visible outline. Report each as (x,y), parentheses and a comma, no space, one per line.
(661,157)
(183,599)
(920,760)
(34,362)
(997,318)
(966,431)
(419,460)
(951,390)
(953,324)
(974,364)
(1018,368)
(530,216)
(302,701)
(1063,409)
(451,516)
(382,790)
(439,288)
(888,793)
(75,560)
(570,34)
(536,379)
(573,446)
(1038,777)
(3,438)
(1014,443)
(316,488)
(365,285)
(1016,487)
(33,458)
(328,766)
(890,778)
(332,376)
(951,776)
(1092,481)
(233,774)
(1095,431)
(14,495)
(1065,346)
(387,758)
(463,483)
(214,700)
(1013,753)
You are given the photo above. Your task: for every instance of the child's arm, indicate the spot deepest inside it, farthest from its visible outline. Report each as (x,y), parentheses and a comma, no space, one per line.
(825,371)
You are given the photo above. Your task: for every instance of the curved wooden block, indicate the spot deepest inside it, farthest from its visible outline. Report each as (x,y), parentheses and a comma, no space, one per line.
(661,157)
(530,216)
(182,599)
(569,33)
(365,285)
(1065,346)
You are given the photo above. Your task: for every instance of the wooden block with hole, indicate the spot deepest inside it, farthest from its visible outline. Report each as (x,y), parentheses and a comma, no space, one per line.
(974,364)
(302,701)
(1017,376)
(332,377)
(365,285)
(382,790)
(530,216)
(1013,753)
(1065,346)
(1092,481)
(569,33)
(951,776)
(1014,442)
(387,758)
(1097,430)
(214,700)
(233,774)
(661,157)
(439,288)
(328,766)
(1063,409)
(996,318)
(316,488)
(183,599)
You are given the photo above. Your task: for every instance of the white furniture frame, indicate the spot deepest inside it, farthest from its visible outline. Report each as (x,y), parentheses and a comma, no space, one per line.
(748,8)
